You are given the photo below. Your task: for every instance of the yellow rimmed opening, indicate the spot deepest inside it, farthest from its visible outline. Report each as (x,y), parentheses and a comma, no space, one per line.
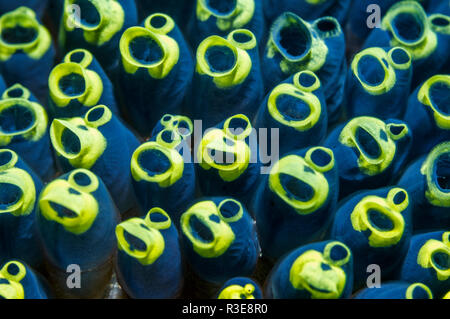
(243,39)
(16,91)
(17,118)
(238,127)
(142,48)
(228,156)
(440,23)
(14,270)
(306,81)
(320,158)
(291,37)
(237,292)
(158,218)
(70,81)
(84,180)
(100,20)
(298,184)
(418,291)
(17,189)
(168,138)
(68,205)
(434,93)
(159,23)
(21,117)
(409,27)
(373,71)
(154,163)
(80,56)
(327,27)
(436,168)
(230,210)
(397,131)
(216,57)
(368,136)
(313,272)
(90,13)
(226,64)
(80,144)
(435,254)
(8,159)
(407,21)
(182,125)
(98,116)
(292,107)
(167,119)
(209,235)
(382,217)
(337,253)
(399,58)
(19,29)
(67,81)
(140,241)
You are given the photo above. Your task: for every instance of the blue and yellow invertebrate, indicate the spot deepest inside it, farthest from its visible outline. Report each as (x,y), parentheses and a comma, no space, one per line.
(376,225)
(162,168)
(101,143)
(18,281)
(155,71)
(315,271)
(26,51)
(24,129)
(240,288)
(149,261)
(297,108)
(77,219)
(378,83)
(227,159)
(294,204)
(397,290)
(369,152)
(217,17)
(96,25)
(19,188)
(427,262)
(427,180)
(77,84)
(308,9)
(227,80)
(219,239)
(426,38)
(428,112)
(297,45)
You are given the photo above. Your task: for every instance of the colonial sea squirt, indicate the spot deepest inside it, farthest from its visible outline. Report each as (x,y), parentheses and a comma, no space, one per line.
(100,142)
(219,239)
(295,203)
(149,263)
(76,219)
